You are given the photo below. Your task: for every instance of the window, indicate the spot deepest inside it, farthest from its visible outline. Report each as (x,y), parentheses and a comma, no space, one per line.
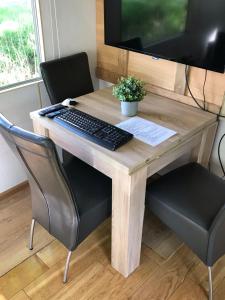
(19,52)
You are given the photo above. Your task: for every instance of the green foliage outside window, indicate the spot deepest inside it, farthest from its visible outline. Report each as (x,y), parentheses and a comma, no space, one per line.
(18,56)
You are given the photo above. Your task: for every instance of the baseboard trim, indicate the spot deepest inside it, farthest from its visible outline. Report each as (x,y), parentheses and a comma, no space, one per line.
(14,190)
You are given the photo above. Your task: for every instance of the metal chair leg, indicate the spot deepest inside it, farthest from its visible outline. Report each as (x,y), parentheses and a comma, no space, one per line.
(67,267)
(31,234)
(210,283)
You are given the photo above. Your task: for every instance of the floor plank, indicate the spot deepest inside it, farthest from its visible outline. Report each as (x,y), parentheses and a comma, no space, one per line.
(158,237)
(199,274)
(220,291)
(15,220)
(50,282)
(56,251)
(19,277)
(169,270)
(83,286)
(189,291)
(168,276)
(117,287)
(20,296)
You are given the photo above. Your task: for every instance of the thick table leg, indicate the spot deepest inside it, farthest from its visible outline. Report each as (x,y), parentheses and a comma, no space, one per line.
(128,205)
(206,146)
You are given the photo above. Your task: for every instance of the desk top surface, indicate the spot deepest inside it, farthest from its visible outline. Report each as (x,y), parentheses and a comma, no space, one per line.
(184,119)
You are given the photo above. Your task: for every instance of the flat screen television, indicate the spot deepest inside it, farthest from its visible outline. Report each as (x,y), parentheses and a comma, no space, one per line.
(190,32)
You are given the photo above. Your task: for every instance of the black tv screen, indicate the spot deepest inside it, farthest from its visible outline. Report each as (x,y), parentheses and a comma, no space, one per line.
(191,32)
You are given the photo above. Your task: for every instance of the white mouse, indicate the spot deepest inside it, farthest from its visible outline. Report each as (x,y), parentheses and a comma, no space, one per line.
(69,102)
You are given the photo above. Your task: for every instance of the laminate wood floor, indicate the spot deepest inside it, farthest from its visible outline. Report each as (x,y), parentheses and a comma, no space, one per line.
(169,270)
(15,219)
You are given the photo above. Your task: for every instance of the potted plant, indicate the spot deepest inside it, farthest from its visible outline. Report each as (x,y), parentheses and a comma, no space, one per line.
(129,91)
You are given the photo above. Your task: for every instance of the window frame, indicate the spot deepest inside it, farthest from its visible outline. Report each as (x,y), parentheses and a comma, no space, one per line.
(35,7)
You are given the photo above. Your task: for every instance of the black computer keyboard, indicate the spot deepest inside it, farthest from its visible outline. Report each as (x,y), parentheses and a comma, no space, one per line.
(95,130)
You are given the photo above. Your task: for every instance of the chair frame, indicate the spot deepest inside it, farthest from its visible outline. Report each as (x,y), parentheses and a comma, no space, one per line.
(67,265)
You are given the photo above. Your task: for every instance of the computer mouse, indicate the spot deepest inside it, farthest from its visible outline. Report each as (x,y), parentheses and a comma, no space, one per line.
(69,102)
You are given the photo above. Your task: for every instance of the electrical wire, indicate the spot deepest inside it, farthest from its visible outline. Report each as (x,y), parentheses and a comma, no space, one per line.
(219,114)
(203,89)
(219,154)
(204,108)
(189,89)
(195,100)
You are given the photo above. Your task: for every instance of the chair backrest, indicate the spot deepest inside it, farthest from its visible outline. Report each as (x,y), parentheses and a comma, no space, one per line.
(67,77)
(53,203)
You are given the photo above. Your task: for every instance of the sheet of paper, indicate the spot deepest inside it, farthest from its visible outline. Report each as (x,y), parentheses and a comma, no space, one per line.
(146,131)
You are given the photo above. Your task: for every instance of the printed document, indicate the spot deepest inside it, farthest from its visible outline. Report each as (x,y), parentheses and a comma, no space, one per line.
(146,131)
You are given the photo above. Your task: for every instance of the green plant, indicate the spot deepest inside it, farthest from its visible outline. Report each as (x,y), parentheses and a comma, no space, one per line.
(129,89)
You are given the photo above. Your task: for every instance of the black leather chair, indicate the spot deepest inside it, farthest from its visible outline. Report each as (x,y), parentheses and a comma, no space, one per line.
(67,77)
(191,201)
(61,201)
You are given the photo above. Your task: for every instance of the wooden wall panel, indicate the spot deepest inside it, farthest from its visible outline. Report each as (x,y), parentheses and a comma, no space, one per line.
(148,69)
(215,85)
(162,77)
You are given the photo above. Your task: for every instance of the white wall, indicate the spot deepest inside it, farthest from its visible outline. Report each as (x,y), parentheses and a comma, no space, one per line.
(69,27)
(75,21)
(77,29)
(16,105)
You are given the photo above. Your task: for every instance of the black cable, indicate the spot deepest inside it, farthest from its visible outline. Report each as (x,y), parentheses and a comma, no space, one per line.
(203,89)
(188,86)
(219,114)
(204,97)
(204,108)
(193,97)
(219,154)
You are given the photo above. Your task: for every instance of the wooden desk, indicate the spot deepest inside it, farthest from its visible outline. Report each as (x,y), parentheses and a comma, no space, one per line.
(132,164)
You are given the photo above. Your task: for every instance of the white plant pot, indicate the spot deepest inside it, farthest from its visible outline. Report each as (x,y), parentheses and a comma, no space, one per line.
(129,109)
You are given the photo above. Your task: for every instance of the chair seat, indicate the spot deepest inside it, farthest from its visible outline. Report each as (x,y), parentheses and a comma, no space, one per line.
(93,192)
(187,200)
(192,191)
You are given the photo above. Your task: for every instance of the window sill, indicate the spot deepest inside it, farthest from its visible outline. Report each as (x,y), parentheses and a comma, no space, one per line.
(20,85)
